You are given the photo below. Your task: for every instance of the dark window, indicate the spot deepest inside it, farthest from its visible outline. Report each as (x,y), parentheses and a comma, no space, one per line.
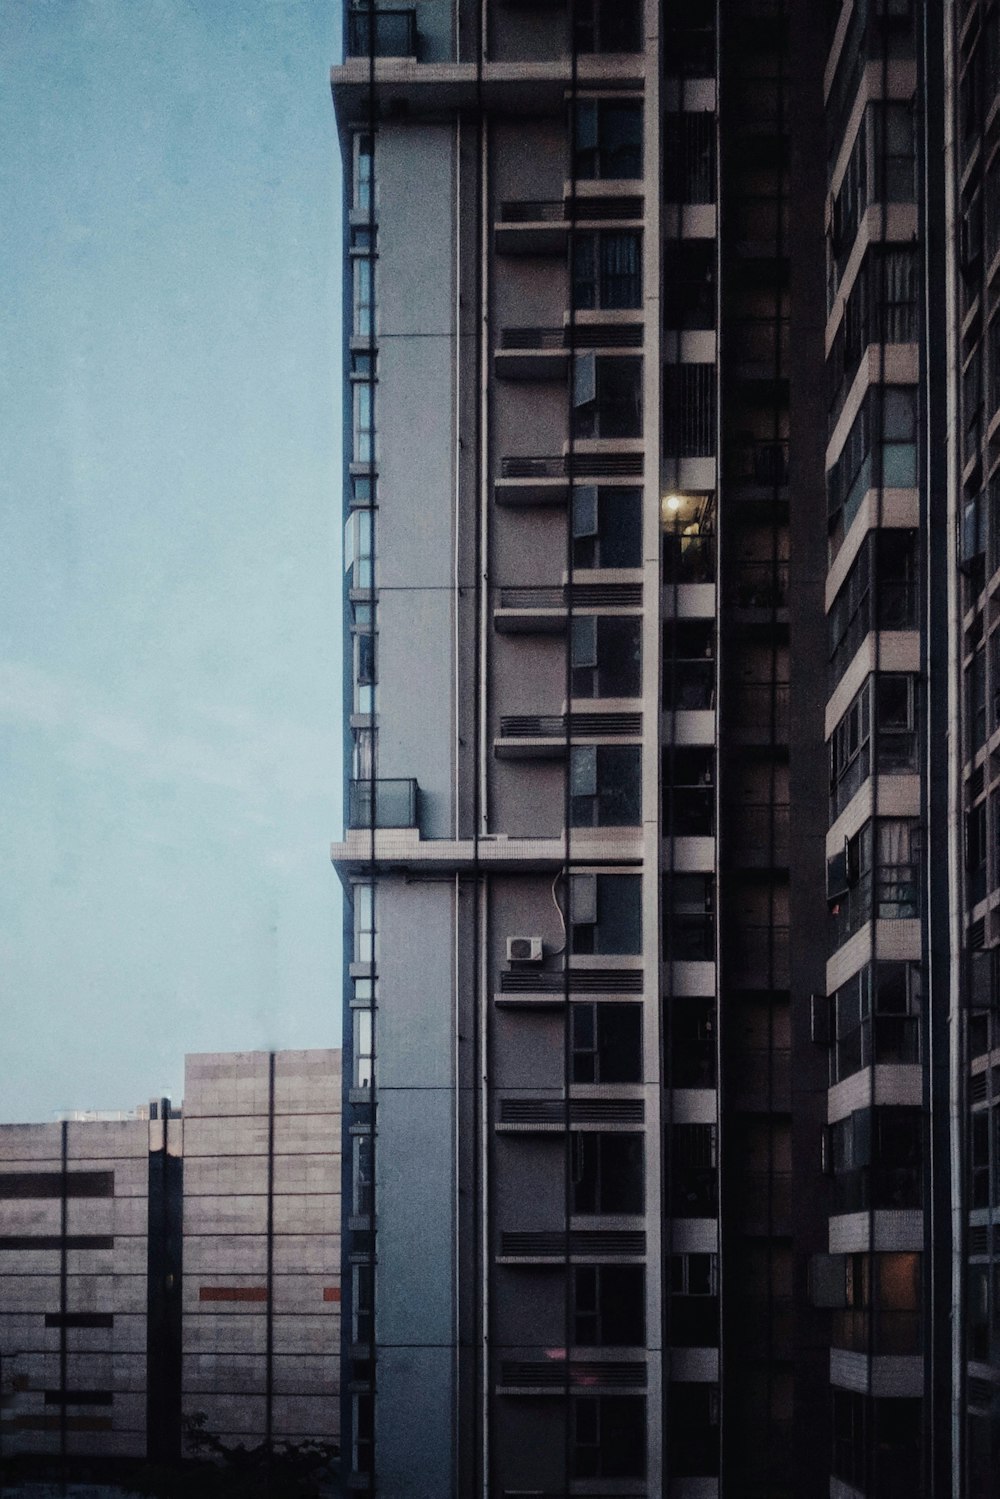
(688,664)
(688,917)
(608,139)
(606,656)
(875,1021)
(608,1173)
(689,283)
(975,697)
(604,785)
(56,1241)
(694,1301)
(609,1436)
(694,1426)
(609,1306)
(608,25)
(79,1397)
(79,1319)
(693,1171)
(39,1184)
(607,396)
(878,1168)
(692,1042)
(895,715)
(606,913)
(607,527)
(689,410)
(607,268)
(688,780)
(689,157)
(892,555)
(607,1043)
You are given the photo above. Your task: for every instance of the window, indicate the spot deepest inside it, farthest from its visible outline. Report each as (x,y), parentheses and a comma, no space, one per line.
(895,695)
(889,848)
(607,268)
(895,152)
(975,697)
(875,1016)
(362,1050)
(365,935)
(608,25)
(364,172)
(693,1417)
(689,410)
(363,1432)
(688,664)
(362,1180)
(694,1301)
(364,758)
(689,157)
(694,1184)
(607,527)
(877,1164)
(867,463)
(365,669)
(608,1173)
(608,139)
(607,396)
(692,1042)
(688,918)
(894,1307)
(609,1306)
(976,851)
(364,421)
(359,548)
(892,557)
(606,913)
(609,1436)
(606,656)
(688,781)
(607,1043)
(605,785)
(689,283)
(362,1324)
(363,273)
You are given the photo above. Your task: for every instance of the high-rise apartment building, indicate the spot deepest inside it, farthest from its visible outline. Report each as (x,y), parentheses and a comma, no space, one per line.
(672,852)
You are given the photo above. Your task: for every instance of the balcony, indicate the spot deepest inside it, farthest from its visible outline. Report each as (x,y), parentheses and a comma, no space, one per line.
(544,611)
(382,33)
(532,481)
(759,834)
(531,227)
(758,588)
(531,354)
(394,803)
(543,736)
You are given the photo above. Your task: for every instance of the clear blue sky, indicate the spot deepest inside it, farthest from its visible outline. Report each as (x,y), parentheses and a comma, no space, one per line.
(169,541)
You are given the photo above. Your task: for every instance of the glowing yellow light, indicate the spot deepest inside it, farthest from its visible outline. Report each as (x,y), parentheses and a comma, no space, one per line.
(673,502)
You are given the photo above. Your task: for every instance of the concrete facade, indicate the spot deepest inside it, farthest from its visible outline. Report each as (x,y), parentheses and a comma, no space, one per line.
(176,1269)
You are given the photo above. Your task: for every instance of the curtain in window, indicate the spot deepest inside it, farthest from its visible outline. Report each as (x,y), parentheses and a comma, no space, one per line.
(620,270)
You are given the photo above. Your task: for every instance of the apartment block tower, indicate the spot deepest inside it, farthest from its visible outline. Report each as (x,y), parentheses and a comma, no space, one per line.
(671,858)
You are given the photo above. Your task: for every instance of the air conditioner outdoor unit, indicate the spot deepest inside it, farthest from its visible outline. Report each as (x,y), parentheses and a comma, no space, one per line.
(524,949)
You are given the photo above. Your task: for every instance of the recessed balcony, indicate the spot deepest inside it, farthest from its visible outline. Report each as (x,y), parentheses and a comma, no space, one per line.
(382,804)
(532,354)
(531,227)
(542,736)
(532,481)
(544,611)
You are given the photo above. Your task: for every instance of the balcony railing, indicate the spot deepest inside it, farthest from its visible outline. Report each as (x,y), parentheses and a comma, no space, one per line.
(394,803)
(759,585)
(386,33)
